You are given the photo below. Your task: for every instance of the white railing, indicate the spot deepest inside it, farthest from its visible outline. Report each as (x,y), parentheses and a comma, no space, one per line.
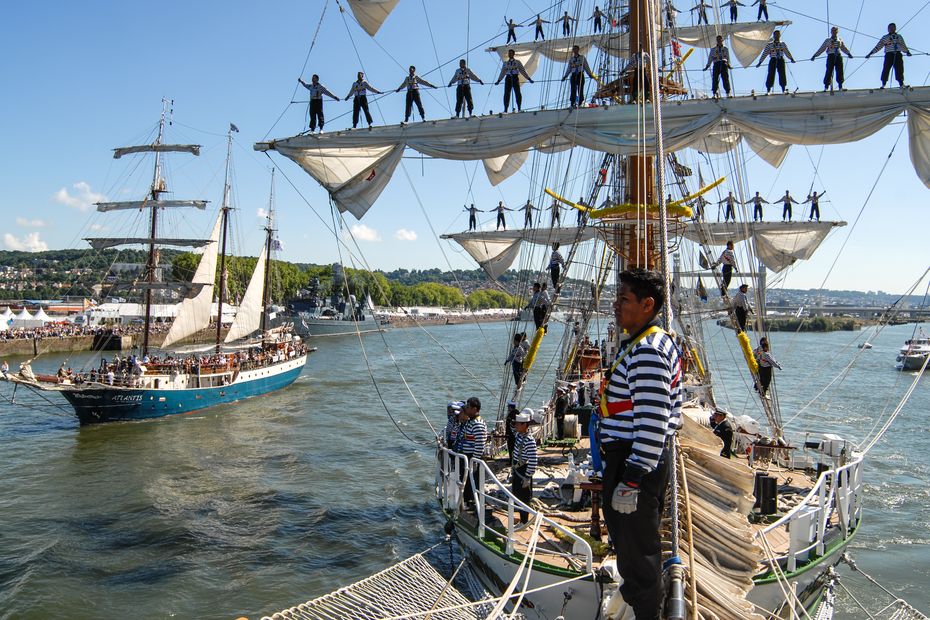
(450,484)
(838,492)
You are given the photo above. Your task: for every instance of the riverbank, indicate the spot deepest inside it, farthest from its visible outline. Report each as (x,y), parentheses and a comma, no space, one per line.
(807,324)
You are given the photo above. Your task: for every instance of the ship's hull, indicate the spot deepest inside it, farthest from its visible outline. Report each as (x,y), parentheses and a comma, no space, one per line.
(911,362)
(95,405)
(321,327)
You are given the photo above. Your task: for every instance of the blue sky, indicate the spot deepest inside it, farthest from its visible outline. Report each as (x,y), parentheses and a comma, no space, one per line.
(82,78)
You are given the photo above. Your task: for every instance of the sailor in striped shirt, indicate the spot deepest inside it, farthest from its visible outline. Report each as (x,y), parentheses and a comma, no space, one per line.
(567,23)
(894,45)
(640,412)
(512,30)
(462,78)
(474,436)
(597,17)
(730,212)
(577,68)
(776,51)
(763,9)
(728,260)
(766,362)
(835,48)
(757,202)
(359,94)
(814,199)
(556,262)
(741,306)
(412,83)
(719,57)
(734,12)
(701,7)
(786,201)
(523,461)
(539,21)
(528,216)
(512,70)
(317,91)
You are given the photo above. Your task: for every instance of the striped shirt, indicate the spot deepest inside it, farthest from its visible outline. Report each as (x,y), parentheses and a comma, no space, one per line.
(474,436)
(718,54)
(412,82)
(787,199)
(513,67)
(524,453)
(518,354)
(647,384)
(317,90)
(729,200)
(578,64)
(892,43)
(539,299)
(451,433)
(776,49)
(757,200)
(765,359)
(727,257)
(832,45)
(463,76)
(360,88)
(556,259)
(741,300)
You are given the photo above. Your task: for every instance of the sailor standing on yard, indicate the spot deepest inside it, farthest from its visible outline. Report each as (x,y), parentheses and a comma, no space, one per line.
(556,263)
(640,411)
(786,201)
(776,51)
(556,215)
(523,461)
(597,17)
(500,208)
(512,30)
(412,83)
(729,213)
(359,94)
(699,203)
(701,7)
(835,48)
(539,21)
(576,69)
(567,23)
(814,199)
(741,306)
(757,202)
(472,220)
(894,45)
(317,91)
(463,77)
(528,216)
(512,70)
(734,12)
(763,9)
(719,59)
(728,260)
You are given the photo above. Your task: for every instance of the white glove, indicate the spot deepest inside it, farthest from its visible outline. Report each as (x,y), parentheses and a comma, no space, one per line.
(624,499)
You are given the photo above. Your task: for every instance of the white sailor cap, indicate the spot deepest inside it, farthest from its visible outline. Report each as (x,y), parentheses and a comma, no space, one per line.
(525,416)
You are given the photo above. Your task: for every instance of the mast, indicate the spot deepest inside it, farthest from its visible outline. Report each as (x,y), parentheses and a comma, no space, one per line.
(269,234)
(158,187)
(225,226)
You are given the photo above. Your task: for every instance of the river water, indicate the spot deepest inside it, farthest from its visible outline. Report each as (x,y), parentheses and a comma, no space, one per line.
(242,510)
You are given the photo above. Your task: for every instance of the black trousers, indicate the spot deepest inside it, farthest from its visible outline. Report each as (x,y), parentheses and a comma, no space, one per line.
(539,34)
(786,211)
(702,15)
(560,426)
(733,13)
(528,219)
(765,378)
(720,71)
(360,102)
(501,221)
(524,494)
(763,10)
(576,92)
(556,219)
(517,368)
(512,83)
(728,213)
(636,536)
(316,113)
(597,24)
(539,315)
(895,60)
(741,316)
(413,97)
(511,36)
(757,213)
(472,222)
(815,211)
(834,66)
(566,28)
(727,272)
(463,98)
(554,274)
(776,64)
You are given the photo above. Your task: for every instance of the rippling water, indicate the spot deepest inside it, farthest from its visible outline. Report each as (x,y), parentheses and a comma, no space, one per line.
(244,509)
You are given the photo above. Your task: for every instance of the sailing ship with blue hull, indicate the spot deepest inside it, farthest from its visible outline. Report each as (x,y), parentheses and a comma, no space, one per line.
(155,383)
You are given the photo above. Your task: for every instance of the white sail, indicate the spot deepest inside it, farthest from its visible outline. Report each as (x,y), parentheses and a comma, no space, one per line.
(194,312)
(102,243)
(193,149)
(372,13)
(746,40)
(356,166)
(249,316)
(103,207)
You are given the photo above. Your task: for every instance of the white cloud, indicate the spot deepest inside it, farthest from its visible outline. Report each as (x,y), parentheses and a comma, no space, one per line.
(29,243)
(29,223)
(405,234)
(260,212)
(364,233)
(83,198)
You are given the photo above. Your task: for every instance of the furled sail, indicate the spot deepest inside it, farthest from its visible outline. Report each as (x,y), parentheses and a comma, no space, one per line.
(193,149)
(194,312)
(103,207)
(356,166)
(746,41)
(495,251)
(372,13)
(102,243)
(778,245)
(249,316)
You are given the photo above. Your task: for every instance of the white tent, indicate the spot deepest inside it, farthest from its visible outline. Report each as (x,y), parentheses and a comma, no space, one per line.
(41,316)
(24,320)
(5,319)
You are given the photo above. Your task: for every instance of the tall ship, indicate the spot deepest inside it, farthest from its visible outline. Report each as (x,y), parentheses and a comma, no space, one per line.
(251,359)
(759,510)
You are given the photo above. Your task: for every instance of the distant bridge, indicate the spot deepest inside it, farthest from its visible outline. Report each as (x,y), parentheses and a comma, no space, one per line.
(863,312)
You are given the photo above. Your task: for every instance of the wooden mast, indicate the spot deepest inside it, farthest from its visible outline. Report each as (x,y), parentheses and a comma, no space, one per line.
(152,264)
